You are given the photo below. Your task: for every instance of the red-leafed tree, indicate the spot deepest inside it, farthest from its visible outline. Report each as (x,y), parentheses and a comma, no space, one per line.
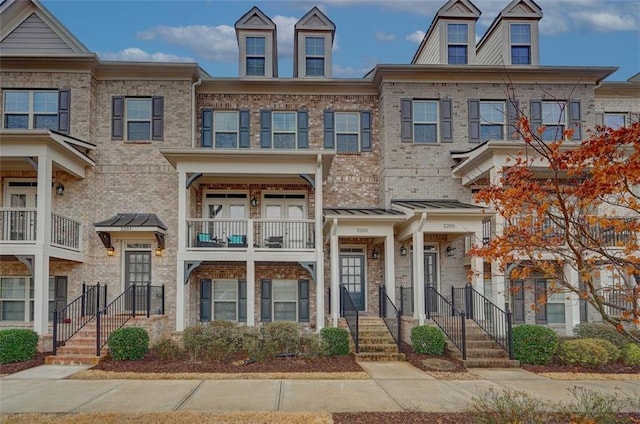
(573,204)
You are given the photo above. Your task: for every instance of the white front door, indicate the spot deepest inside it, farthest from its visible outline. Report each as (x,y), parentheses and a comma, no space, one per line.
(20,219)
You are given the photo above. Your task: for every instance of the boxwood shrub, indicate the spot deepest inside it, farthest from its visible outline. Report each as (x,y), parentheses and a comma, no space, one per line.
(281,337)
(630,354)
(586,352)
(427,340)
(600,330)
(533,344)
(335,341)
(17,345)
(128,344)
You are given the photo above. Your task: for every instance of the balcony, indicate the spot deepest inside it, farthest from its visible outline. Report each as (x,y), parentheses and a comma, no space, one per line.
(19,228)
(229,234)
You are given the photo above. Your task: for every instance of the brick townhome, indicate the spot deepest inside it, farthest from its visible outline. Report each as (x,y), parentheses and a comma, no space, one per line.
(252,198)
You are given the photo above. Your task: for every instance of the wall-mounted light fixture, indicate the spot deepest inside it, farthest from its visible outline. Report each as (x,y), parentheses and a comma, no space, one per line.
(59,189)
(111,251)
(403,250)
(450,251)
(374,254)
(158,251)
(254,201)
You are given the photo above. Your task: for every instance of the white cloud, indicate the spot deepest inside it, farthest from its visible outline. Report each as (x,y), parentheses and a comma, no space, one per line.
(606,21)
(349,72)
(416,37)
(134,54)
(384,36)
(284,25)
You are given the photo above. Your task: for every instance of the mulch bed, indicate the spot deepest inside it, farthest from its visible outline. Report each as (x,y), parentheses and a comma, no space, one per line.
(417,360)
(402,418)
(21,366)
(554,366)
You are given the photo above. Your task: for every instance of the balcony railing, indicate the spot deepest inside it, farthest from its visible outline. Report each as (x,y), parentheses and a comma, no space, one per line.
(19,225)
(251,233)
(65,232)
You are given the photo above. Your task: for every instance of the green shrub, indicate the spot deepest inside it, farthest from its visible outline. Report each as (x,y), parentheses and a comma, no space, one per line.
(586,352)
(168,350)
(495,407)
(281,337)
(215,340)
(630,354)
(311,346)
(335,341)
(533,344)
(613,353)
(128,344)
(600,330)
(17,345)
(252,343)
(427,340)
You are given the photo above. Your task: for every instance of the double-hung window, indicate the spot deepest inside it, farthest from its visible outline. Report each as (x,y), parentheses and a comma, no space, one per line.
(225,300)
(425,121)
(492,120)
(255,56)
(138,113)
(284,126)
(457,41)
(137,118)
(285,300)
(314,56)
(554,120)
(520,44)
(226,128)
(15,298)
(347,132)
(555,306)
(31,109)
(615,120)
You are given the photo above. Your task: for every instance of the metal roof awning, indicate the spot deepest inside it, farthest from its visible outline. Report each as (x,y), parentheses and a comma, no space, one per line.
(131,222)
(363,213)
(434,205)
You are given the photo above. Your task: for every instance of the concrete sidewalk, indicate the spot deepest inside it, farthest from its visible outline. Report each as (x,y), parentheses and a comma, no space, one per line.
(394,386)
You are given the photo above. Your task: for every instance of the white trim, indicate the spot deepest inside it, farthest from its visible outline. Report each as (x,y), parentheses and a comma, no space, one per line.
(213,299)
(123,261)
(273,298)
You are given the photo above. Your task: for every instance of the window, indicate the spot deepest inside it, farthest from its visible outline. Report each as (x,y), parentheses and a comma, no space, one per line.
(31,109)
(285,300)
(520,44)
(615,120)
(225,299)
(255,56)
(15,295)
(425,121)
(347,132)
(284,130)
(137,118)
(555,308)
(226,129)
(492,120)
(554,120)
(457,40)
(314,56)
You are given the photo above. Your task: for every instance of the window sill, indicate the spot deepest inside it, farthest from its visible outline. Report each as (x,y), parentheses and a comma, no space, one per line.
(138,141)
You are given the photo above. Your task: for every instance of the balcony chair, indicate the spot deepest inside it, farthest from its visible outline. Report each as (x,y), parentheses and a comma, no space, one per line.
(237,240)
(274,242)
(206,240)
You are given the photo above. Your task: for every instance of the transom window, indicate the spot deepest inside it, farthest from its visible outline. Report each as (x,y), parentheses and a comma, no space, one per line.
(255,56)
(347,131)
(457,39)
(225,300)
(492,120)
(285,300)
(138,113)
(520,44)
(284,126)
(554,120)
(226,129)
(425,121)
(37,109)
(615,120)
(314,56)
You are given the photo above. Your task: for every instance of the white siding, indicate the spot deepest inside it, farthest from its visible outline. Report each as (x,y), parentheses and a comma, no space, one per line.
(34,36)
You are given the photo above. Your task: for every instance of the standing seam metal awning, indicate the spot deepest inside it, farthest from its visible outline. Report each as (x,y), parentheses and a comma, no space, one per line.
(131,222)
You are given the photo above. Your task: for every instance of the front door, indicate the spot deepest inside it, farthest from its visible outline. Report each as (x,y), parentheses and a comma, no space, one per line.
(352,275)
(431,274)
(20,220)
(286,214)
(228,212)
(137,271)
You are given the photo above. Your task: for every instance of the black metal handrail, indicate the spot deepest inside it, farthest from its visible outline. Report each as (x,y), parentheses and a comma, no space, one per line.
(391,315)
(350,313)
(450,320)
(134,300)
(76,314)
(496,322)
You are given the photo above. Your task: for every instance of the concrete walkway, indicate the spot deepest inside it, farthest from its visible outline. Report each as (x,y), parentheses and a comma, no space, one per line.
(394,386)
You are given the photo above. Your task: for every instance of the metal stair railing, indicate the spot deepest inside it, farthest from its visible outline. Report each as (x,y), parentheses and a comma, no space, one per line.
(391,315)
(76,314)
(350,313)
(450,320)
(496,322)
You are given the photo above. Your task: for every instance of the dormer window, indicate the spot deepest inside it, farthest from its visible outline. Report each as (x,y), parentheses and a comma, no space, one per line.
(314,56)
(520,44)
(457,44)
(255,49)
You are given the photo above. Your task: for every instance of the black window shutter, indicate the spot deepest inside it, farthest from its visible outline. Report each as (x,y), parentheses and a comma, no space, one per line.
(446,121)
(575,119)
(64,110)
(265,129)
(265,300)
(513,108)
(365,130)
(157,117)
(329,134)
(117,117)
(207,128)
(406,116)
(303,129)
(245,141)
(303,300)
(518,301)
(535,116)
(242,300)
(541,301)
(474,121)
(205,300)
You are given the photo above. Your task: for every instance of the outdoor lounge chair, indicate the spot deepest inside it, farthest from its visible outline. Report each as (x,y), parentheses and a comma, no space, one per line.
(237,241)
(274,241)
(205,240)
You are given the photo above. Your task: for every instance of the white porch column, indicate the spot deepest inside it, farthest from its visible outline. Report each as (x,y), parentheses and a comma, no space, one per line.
(319,247)
(477,266)
(43,241)
(182,239)
(418,276)
(181,287)
(41,293)
(390,269)
(251,293)
(572,300)
(335,274)
(500,294)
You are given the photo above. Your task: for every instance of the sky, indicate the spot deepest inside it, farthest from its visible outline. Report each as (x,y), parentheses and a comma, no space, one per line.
(368,32)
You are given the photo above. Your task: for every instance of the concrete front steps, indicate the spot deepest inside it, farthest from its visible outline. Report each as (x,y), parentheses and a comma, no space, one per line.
(80,349)
(482,350)
(376,342)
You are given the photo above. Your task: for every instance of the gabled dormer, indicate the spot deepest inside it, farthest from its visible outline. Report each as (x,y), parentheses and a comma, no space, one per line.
(27,27)
(513,37)
(450,38)
(257,44)
(312,45)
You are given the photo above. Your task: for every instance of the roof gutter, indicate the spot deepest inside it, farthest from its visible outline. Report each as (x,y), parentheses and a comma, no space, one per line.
(194,121)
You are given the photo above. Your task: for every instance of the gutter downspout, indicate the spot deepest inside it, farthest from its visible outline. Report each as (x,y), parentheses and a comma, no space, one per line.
(194,121)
